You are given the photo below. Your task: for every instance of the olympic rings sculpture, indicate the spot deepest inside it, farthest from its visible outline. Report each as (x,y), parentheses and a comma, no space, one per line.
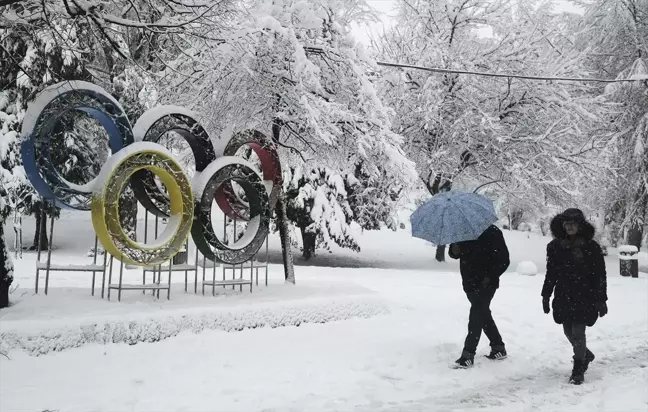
(137,157)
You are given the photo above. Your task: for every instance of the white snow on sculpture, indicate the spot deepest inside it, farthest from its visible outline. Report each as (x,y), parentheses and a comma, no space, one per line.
(149,117)
(52,92)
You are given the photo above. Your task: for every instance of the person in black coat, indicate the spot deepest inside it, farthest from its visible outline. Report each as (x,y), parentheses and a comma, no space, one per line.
(577,279)
(482,262)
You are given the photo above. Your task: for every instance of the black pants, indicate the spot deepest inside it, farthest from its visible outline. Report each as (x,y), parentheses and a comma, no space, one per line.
(575,332)
(481,319)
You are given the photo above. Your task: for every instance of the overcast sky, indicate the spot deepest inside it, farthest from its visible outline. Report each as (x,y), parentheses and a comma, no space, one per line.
(385,7)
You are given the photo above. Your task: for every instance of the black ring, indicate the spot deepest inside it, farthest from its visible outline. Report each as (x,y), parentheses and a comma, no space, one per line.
(202,230)
(147,192)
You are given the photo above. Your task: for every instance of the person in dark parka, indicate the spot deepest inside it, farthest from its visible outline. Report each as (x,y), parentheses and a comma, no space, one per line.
(577,279)
(482,262)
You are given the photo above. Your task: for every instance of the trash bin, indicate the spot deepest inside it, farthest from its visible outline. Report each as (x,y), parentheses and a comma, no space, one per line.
(629,261)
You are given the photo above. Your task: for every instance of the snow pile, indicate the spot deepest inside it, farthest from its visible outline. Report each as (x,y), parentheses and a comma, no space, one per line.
(156,328)
(527,268)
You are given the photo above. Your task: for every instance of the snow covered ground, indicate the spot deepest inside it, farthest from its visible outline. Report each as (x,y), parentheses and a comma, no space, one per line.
(394,321)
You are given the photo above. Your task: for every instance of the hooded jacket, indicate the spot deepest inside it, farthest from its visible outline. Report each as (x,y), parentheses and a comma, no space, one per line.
(576,273)
(486,257)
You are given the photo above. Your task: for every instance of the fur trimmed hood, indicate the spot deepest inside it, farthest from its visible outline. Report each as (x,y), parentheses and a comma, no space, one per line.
(586,230)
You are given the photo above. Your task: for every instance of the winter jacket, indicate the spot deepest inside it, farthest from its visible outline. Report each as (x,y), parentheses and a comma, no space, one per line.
(486,257)
(575,271)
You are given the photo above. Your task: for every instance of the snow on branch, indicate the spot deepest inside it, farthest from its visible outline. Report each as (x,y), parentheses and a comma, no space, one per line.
(89,8)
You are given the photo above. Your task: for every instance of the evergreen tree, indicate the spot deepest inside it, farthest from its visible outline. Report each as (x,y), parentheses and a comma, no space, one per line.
(373,201)
(318,205)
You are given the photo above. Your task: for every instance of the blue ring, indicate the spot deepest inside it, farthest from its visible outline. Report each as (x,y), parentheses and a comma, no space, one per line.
(44,180)
(114,141)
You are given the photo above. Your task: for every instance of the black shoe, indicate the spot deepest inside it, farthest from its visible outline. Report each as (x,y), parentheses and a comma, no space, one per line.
(464,362)
(589,358)
(578,373)
(497,354)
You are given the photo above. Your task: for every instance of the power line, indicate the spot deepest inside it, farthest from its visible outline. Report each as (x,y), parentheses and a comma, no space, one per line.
(506,75)
(319,50)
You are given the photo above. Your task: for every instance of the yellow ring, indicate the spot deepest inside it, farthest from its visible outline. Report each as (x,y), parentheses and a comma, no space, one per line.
(105,205)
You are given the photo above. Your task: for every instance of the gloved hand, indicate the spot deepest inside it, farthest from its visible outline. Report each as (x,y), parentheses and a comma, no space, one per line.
(601,308)
(545,305)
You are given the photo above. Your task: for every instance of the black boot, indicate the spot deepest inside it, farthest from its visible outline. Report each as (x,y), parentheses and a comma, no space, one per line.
(465,361)
(589,358)
(578,373)
(497,354)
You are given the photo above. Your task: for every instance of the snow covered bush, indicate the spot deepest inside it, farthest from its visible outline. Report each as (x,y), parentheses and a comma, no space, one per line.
(527,268)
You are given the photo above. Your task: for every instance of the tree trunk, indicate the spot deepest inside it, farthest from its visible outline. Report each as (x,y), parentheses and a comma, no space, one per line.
(40,234)
(309,242)
(635,234)
(515,219)
(284,229)
(543,227)
(440,253)
(5,280)
(4,296)
(284,234)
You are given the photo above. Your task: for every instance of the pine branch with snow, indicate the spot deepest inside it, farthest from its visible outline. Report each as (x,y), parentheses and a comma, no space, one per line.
(318,206)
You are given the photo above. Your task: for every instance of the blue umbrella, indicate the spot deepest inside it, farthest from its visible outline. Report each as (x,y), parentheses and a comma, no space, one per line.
(452,217)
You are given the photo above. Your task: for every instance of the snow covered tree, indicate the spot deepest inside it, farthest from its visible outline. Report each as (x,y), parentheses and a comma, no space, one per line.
(120,45)
(33,56)
(534,139)
(616,36)
(319,207)
(291,69)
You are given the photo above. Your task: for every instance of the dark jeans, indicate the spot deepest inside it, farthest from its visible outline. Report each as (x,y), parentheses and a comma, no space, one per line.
(575,332)
(481,319)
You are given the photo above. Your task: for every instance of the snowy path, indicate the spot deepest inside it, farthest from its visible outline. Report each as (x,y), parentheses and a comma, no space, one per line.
(389,363)
(545,388)
(397,362)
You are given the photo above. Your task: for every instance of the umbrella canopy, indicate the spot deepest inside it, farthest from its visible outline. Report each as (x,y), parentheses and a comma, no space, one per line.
(452,217)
